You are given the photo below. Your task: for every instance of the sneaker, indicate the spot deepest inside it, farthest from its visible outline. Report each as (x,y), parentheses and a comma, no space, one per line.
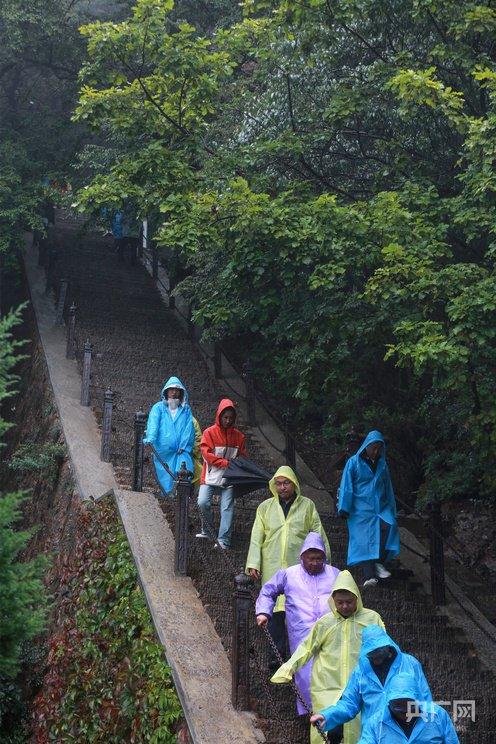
(220,544)
(202,535)
(381,571)
(369,583)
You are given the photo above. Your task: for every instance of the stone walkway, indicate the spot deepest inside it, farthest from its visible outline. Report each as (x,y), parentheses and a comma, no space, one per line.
(137,344)
(199,664)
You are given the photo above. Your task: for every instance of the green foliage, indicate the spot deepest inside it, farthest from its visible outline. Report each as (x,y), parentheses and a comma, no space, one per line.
(19,196)
(41,51)
(22,595)
(327,179)
(9,356)
(44,458)
(107,678)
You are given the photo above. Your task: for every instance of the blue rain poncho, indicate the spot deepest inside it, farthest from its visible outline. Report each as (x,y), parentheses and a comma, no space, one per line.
(364,692)
(169,434)
(368,497)
(434,725)
(117,225)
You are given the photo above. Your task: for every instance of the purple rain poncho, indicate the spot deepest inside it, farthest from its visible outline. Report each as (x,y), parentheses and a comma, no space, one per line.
(306,602)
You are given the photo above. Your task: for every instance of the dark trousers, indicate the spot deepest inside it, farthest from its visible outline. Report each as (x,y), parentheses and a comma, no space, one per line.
(129,246)
(335,735)
(277,629)
(368,567)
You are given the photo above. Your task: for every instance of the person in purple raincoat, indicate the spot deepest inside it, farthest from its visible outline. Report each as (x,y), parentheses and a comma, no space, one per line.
(307,588)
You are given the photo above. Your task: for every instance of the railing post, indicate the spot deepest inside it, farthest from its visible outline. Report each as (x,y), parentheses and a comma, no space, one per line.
(191,327)
(85,383)
(217,361)
(289,444)
(49,264)
(139,433)
(242,609)
(40,241)
(438,587)
(250,394)
(59,316)
(108,402)
(154,261)
(183,493)
(70,350)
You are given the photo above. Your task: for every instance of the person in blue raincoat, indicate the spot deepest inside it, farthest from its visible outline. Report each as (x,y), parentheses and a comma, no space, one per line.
(171,431)
(366,500)
(116,227)
(407,718)
(381,659)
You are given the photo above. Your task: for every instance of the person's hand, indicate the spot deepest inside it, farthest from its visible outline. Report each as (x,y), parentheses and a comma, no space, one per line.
(262,620)
(224,464)
(254,573)
(343,514)
(317,719)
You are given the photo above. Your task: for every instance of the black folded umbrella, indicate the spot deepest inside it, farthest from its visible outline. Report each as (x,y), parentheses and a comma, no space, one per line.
(246,476)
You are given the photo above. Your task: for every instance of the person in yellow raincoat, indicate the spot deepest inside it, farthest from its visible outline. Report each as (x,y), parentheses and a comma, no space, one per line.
(334,643)
(281,524)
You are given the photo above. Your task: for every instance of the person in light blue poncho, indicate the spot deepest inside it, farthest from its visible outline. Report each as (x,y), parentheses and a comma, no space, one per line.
(366,500)
(406,717)
(171,431)
(380,661)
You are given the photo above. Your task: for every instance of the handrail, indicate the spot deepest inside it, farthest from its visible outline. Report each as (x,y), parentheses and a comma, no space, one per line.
(229,564)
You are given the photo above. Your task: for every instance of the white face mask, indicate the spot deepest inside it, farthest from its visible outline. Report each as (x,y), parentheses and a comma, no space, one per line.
(173,403)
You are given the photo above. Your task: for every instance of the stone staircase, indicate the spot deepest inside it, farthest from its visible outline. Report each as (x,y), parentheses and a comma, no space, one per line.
(137,344)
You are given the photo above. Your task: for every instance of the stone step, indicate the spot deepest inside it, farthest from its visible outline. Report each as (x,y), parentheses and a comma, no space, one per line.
(140,343)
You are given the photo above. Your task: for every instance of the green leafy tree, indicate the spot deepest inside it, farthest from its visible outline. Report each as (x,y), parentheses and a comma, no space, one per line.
(22,594)
(325,171)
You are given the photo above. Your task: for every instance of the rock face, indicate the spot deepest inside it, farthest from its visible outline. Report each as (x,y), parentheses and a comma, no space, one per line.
(137,344)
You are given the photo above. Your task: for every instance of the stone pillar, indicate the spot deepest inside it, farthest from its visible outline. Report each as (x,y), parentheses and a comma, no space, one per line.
(59,315)
(438,586)
(289,444)
(183,494)
(250,394)
(85,384)
(242,609)
(139,433)
(217,361)
(154,261)
(108,402)
(70,349)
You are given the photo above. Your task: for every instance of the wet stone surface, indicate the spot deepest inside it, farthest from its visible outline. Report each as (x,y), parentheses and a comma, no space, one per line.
(137,344)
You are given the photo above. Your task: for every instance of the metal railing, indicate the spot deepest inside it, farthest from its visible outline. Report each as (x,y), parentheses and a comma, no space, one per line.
(184,489)
(433,516)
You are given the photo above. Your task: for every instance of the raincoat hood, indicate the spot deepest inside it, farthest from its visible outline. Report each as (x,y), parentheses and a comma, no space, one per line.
(313,541)
(403,686)
(176,383)
(345,581)
(225,403)
(373,436)
(286,472)
(375,637)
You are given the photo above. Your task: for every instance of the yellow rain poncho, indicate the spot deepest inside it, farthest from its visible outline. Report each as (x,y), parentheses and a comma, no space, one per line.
(334,643)
(276,541)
